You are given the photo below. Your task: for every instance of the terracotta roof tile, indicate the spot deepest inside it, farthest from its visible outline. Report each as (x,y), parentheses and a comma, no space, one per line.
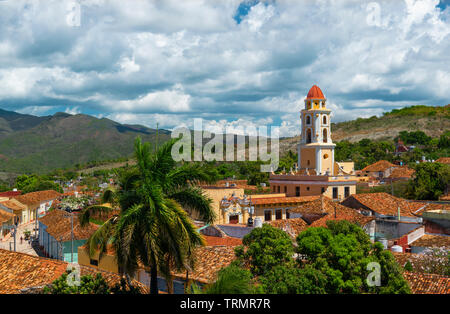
(343,213)
(431,240)
(386,204)
(315,93)
(21,271)
(443,160)
(37,197)
(12,205)
(5,216)
(421,283)
(317,206)
(283,200)
(328,207)
(228,241)
(380,165)
(58,224)
(293,226)
(402,172)
(10,193)
(208,261)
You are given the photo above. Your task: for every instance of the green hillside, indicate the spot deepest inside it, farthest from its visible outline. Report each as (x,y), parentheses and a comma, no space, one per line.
(432,120)
(63,140)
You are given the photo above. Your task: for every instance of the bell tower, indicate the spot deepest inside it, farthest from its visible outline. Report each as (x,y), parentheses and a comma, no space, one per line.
(316,149)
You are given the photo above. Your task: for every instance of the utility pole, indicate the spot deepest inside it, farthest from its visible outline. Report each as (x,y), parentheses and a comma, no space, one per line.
(15,231)
(71,223)
(69,210)
(36,224)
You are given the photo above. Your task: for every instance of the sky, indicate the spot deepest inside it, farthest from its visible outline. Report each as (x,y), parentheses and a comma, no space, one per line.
(231,62)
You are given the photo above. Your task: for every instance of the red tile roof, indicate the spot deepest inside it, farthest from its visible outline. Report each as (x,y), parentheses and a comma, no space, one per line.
(228,241)
(402,172)
(208,261)
(10,194)
(443,160)
(315,93)
(432,241)
(283,200)
(343,213)
(381,165)
(292,226)
(59,226)
(12,205)
(5,216)
(385,204)
(37,197)
(20,271)
(421,283)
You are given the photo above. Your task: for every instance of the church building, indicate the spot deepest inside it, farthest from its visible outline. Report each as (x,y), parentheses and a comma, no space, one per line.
(316,172)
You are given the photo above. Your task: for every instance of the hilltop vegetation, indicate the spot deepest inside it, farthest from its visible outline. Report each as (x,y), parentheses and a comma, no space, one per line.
(30,144)
(433,121)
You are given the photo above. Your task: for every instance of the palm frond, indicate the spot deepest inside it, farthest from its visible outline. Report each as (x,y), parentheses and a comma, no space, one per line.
(193,198)
(93,210)
(102,237)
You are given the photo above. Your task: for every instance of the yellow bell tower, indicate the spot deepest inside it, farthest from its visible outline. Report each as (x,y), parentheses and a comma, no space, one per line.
(316,149)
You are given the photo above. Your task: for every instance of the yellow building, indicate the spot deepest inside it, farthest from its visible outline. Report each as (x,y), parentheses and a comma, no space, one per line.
(316,172)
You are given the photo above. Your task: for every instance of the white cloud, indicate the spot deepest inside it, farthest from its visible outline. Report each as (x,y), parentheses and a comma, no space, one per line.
(170,61)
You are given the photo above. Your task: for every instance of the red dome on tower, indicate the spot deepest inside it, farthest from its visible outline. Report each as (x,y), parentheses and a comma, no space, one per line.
(315,93)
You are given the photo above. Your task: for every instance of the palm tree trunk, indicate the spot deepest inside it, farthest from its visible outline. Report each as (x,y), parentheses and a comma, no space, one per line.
(169,284)
(153,280)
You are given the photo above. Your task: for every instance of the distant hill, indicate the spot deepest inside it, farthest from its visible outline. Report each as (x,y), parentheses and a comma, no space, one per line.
(39,144)
(432,120)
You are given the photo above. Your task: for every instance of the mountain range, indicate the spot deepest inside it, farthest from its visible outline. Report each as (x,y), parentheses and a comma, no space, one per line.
(38,144)
(30,144)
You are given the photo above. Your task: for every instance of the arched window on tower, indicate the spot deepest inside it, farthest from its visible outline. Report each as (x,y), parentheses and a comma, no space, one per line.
(308,120)
(308,136)
(325,137)
(324,119)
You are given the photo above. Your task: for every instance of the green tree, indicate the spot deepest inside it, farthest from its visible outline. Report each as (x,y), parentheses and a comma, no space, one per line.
(342,253)
(289,279)
(152,227)
(232,279)
(444,140)
(264,248)
(430,181)
(89,285)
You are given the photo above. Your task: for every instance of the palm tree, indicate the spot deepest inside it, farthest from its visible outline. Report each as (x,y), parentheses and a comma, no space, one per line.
(152,228)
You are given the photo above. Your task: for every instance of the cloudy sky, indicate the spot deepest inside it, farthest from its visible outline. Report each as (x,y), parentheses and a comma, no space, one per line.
(231,62)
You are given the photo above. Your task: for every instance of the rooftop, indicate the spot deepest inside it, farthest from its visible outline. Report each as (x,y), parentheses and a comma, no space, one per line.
(5,216)
(228,241)
(37,197)
(21,271)
(421,283)
(58,224)
(385,204)
(402,172)
(12,205)
(443,160)
(433,241)
(381,165)
(315,93)
(283,200)
(292,226)
(208,261)
(343,213)
(10,194)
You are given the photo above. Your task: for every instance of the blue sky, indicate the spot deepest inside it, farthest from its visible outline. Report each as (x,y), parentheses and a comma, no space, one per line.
(233,63)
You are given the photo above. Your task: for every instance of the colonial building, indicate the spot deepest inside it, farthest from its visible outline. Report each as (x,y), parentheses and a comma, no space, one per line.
(317,172)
